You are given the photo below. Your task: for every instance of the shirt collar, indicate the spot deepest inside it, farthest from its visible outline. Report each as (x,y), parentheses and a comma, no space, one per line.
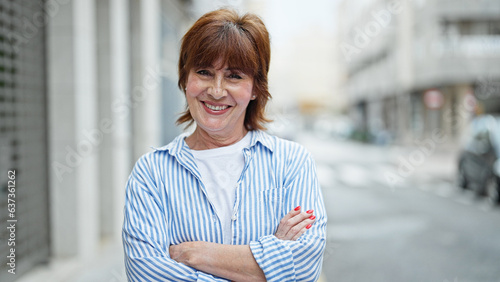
(178,144)
(263,138)
(175,146)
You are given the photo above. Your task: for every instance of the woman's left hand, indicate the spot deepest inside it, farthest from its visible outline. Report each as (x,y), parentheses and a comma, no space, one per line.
(294,224)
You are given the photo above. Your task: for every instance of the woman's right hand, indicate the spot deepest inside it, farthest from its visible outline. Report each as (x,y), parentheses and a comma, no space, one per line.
(294,224)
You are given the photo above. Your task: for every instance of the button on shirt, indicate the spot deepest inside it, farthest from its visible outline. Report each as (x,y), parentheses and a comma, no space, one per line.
(166,204)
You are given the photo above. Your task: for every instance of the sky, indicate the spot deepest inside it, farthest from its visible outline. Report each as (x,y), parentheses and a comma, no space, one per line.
(302,36)
(286,18)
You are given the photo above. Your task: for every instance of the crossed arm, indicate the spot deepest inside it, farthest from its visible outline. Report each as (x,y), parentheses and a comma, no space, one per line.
(236,262)
(291,254)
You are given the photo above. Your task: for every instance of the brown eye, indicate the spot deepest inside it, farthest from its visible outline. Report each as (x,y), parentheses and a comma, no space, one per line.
(234,75)
(203,72)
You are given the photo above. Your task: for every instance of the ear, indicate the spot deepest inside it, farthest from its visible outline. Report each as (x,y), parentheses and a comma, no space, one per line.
(253,97)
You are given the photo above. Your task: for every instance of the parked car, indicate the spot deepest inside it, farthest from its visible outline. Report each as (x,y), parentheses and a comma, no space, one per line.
(479,160)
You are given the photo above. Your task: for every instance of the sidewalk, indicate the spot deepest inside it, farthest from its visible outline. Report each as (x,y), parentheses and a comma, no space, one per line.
(418,163)
(438,164)
(106,266)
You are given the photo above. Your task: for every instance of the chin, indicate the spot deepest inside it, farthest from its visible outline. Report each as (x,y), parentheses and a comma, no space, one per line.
(212,127)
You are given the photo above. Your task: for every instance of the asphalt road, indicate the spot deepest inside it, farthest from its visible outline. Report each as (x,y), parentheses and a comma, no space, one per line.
(422,229)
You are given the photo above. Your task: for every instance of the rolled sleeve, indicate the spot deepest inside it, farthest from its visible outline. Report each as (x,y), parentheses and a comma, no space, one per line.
(289,260)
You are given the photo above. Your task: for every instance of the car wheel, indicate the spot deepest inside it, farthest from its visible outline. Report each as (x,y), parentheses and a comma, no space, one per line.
(493,190)
(461,179)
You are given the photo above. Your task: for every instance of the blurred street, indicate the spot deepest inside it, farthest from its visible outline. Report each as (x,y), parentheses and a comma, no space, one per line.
(424,229)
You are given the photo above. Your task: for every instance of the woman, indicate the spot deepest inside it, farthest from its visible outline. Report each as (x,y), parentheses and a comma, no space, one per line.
(227,201)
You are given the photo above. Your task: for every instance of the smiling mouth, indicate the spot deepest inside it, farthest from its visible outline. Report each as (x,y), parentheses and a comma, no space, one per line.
(216,108)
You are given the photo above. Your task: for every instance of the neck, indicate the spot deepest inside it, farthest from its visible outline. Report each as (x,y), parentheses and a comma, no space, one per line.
(202,140)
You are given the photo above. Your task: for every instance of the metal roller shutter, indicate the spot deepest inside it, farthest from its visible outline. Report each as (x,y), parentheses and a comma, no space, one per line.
(23,134)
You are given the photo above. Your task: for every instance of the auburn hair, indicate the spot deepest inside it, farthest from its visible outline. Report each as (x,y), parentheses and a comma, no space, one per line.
(241,42)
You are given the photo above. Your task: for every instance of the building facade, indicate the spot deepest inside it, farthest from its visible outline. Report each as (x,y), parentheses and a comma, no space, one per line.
(414,67)
(24,186)
(87,87)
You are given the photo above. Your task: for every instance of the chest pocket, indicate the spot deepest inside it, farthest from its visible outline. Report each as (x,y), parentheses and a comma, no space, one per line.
(271,206)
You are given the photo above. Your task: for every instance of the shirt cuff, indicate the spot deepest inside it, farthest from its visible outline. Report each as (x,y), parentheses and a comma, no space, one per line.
(274,258)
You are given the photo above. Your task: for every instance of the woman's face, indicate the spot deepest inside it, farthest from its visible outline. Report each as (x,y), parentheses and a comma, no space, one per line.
(218,98)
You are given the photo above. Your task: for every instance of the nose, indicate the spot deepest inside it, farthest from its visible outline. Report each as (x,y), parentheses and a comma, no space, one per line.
(217,89)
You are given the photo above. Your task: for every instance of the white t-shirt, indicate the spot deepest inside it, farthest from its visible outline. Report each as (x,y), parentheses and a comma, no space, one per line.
(220,170)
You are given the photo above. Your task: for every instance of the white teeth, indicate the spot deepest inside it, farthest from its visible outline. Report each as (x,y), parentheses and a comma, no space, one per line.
(216,108)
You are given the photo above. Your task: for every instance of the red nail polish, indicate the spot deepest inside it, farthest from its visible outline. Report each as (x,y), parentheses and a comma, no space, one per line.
(312,217)
(308,226)
(297,208)
(310,211)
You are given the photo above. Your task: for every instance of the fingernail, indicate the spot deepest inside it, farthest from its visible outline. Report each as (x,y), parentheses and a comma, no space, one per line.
(308,226)
(312,217)
(310,211)
(297,208)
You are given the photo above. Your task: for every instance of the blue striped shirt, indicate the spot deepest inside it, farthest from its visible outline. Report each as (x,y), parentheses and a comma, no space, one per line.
(166,204)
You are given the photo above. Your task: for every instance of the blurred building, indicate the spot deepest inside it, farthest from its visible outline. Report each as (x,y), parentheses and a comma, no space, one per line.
(86,87)
(412,67)
(304,74)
